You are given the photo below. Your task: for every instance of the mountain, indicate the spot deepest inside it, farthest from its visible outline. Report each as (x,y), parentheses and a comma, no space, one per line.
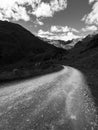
(84,56)
(22,53)
(87,44)
(81,53)
(17,43)
(67,45)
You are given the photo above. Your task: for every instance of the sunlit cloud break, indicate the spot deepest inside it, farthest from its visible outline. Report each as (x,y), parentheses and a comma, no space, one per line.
(17,9)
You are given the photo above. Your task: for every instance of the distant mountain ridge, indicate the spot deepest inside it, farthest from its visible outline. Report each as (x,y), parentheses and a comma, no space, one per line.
(70,44)
(67,45)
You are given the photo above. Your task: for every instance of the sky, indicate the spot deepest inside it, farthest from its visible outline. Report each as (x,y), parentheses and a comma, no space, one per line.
(53,19)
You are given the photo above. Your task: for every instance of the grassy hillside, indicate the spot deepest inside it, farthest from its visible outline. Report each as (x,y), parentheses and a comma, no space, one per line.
(23,55)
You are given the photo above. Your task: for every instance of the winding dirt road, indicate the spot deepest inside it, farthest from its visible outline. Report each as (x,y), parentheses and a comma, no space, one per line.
(58,101)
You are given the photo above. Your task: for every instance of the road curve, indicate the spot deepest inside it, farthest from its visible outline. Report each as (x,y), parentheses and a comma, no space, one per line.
(58,101)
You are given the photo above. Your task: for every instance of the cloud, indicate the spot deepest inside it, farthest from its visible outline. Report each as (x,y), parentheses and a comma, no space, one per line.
(90,28)
(91,1)
(58,29)
(48,9)
(74,30)
(9,9)
(13,9)
(44,33)
(92,17)
(23,9)
(58,5)
(44,10)
(38,22)
(59,33)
